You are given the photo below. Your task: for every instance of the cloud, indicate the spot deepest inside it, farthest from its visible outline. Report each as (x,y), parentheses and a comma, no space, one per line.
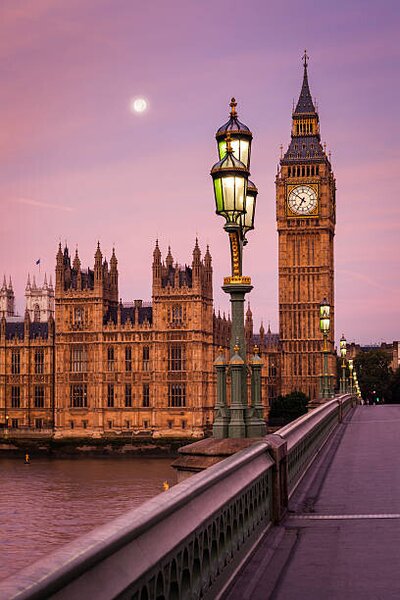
(365,279)
(31,202)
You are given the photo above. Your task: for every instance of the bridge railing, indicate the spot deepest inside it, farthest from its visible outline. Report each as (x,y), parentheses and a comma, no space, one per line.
(181,540)
(186,542)
(306,436)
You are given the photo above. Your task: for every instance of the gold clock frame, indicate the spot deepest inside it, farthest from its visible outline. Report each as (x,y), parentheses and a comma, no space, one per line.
(291,186)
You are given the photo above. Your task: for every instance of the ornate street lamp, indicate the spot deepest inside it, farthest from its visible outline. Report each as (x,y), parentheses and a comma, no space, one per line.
(351,375)
(230,187)
(343,352)
(235,200)
(241,137)
(247,220)
(324,325)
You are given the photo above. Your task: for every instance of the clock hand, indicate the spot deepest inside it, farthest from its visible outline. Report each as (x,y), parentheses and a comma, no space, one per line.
(296,194)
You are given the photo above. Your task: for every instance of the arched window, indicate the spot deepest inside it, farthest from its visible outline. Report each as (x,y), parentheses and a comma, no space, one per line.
(110,358)
(176,315)
(146,358)
(36,313)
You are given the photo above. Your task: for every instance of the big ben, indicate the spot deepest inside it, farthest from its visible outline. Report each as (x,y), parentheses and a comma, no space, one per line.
(305,213)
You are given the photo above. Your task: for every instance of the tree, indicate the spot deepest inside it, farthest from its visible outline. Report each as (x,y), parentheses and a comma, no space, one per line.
(288,408)
(374,374)
(393,391)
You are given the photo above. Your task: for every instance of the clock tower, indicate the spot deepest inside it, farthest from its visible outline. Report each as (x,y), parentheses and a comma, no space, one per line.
(305,214)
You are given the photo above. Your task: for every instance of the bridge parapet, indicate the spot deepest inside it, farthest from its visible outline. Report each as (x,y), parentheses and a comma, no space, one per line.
(189,541)
(306,435)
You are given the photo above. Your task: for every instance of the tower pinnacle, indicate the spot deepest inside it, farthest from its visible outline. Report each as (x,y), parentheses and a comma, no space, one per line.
(305,104)
(305,59)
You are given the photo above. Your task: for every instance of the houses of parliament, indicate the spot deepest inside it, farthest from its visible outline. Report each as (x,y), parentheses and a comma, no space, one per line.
(83,363)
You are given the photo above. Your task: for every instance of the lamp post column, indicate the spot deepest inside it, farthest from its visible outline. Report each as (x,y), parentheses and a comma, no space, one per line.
(351,376)
(237,292)
(324,324)
(237,425)
(221,416)
(343,378)
(325,351)
(343,352)
(256,425)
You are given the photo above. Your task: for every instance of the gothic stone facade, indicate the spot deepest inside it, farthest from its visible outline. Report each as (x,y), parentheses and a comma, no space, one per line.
(107,368)
(134,368)
(27,373)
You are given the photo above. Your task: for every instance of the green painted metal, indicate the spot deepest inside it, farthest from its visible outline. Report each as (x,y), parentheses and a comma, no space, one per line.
(221,415)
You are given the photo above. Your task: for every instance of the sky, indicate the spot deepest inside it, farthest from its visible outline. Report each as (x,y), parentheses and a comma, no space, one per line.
(77,165)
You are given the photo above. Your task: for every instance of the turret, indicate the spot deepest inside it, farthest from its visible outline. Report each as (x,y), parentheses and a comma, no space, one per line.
(106,278)
(114,277)
(27,324)
(7,298)
(262,335)
(77,263)
(156,266)
(67,268)
(196,264)
(176,276)
(60,281)
(98,268)
(169,261)
(3,327)
(208,270)
(248,327)
(77,268)
(39,300)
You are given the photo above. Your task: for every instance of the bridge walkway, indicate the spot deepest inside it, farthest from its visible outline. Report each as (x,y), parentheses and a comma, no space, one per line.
(341,536)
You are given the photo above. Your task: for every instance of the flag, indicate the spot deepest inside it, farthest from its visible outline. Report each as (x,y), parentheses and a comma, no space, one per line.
(38,261)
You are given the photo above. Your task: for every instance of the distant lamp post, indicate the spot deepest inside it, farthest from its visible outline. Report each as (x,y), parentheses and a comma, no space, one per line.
(351,366)
(235,200)
(324,325)
(343,352)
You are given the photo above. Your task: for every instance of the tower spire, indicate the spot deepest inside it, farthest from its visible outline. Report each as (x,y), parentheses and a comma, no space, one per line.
(305,104)
(305,59)
(305,144)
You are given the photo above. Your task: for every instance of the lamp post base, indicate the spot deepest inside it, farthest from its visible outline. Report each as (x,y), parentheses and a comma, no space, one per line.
(256,427)
(221,424)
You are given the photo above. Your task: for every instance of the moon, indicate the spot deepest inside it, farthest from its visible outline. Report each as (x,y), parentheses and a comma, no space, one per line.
(139,105)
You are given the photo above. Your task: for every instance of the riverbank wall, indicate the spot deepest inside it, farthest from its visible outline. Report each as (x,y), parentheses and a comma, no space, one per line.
(83,447)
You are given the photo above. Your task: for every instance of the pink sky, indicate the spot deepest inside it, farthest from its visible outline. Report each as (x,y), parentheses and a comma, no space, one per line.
(76,165)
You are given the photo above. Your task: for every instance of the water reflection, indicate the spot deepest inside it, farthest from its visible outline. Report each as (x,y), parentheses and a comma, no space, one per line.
(50,502)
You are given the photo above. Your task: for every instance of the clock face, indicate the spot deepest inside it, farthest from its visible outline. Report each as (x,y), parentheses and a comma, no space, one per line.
(302,200)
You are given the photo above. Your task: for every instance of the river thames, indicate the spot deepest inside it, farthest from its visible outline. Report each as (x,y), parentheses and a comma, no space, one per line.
(49,502)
